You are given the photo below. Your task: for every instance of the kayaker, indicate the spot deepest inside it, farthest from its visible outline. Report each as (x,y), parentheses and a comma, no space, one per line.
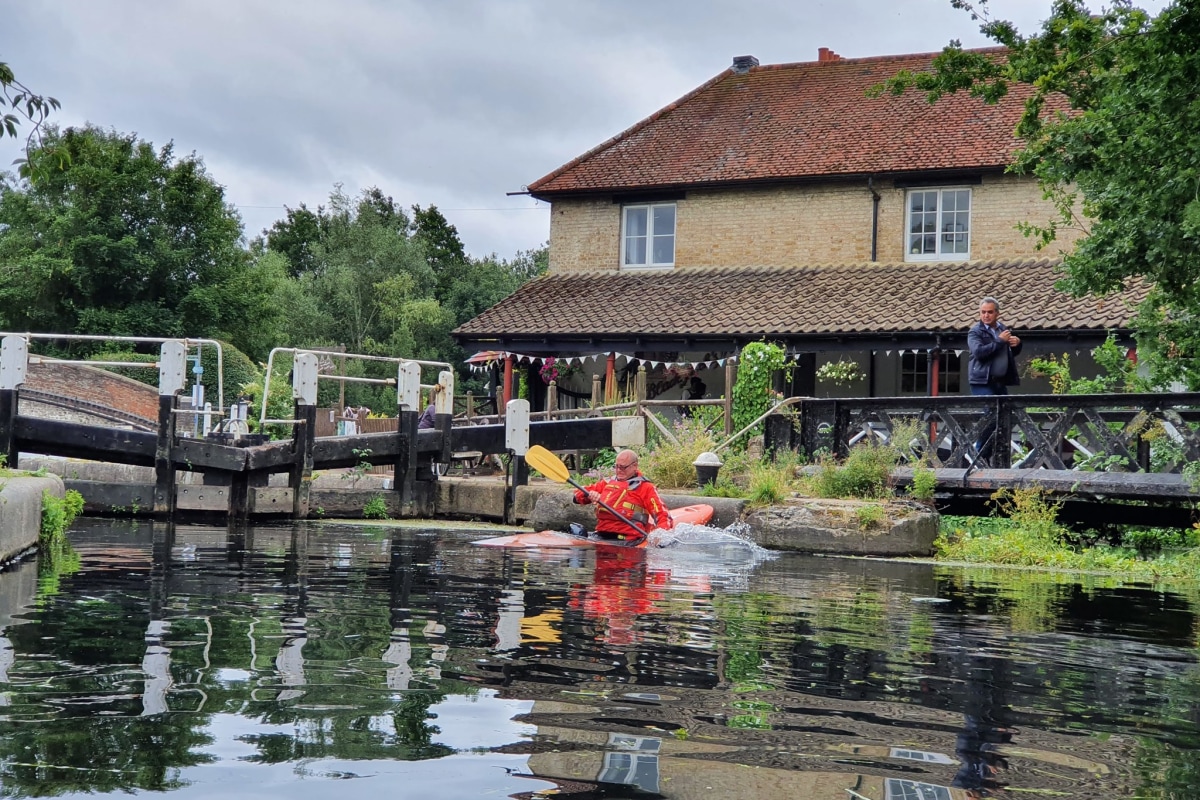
(630,494)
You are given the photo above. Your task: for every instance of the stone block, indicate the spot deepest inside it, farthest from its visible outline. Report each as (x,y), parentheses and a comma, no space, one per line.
(833,527)
(21,512)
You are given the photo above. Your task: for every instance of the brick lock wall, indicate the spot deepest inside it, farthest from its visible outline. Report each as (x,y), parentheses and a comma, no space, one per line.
(94,385)
(798,225)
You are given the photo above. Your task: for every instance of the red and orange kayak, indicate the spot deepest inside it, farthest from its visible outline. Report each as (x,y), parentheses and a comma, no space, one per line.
(698,514)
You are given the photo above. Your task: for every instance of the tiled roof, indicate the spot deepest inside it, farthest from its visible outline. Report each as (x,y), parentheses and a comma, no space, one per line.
(753,301)
(794,121)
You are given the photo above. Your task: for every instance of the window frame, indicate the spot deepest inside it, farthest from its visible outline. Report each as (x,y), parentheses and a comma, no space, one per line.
(949,367)
(941,234)
(649,235)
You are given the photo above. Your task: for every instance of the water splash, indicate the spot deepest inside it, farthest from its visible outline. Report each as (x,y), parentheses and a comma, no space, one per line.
(717,557)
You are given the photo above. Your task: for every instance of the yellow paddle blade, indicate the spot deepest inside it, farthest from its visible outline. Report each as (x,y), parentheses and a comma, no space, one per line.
(547,463)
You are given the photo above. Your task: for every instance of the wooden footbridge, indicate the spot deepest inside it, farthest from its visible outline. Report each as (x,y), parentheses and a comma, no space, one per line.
(1109,458)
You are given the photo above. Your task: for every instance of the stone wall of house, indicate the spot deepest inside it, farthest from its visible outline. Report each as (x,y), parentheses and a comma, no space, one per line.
(797,226)
(584,235)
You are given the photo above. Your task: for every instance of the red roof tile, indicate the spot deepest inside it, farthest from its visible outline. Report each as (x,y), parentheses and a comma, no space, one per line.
(793,121)
(754,301)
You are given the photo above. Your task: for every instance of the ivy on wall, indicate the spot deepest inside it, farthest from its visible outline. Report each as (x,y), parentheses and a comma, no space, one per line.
(752,395)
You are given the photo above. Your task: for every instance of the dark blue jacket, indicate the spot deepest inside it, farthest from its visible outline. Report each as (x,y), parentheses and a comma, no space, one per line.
(983,346)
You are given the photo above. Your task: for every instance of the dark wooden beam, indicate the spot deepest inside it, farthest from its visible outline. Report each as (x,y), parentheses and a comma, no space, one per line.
(72,440)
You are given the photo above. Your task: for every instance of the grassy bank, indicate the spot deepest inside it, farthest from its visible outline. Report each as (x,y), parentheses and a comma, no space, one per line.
(1026,533)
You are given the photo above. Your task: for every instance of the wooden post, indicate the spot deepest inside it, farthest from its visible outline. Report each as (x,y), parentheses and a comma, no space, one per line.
(551,399)
(596,391)
(470,407)
(404,470)
(520,477)
(610,380)
(730,377)
(8,421)
(14,362)
(508,385)
(303,437)
(164,464)
(639,387)
(1002,450)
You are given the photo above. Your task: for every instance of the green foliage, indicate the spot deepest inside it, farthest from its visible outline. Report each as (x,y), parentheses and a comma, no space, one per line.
(770,482)
(1121,166)
(375,508)
(924,484)
(1117,373)
(669,465)
(866,474)
(34,109)
(280,404)
(58,514)
(757,365)
(870,515)
(124,239)
(840,373)
(1152,541)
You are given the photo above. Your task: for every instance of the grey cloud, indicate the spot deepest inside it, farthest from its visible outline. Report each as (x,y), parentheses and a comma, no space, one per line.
(452,103)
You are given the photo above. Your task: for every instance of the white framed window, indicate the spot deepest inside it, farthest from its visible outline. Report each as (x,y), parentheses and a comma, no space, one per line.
(648,235)
(938,225)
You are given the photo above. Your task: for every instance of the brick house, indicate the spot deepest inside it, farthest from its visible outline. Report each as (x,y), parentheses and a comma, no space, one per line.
(780,202)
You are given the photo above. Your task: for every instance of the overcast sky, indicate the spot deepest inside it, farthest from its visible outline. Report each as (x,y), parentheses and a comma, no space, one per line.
(453,103)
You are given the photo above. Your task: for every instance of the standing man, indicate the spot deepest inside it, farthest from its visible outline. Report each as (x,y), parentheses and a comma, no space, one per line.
(992,366)
(630,494)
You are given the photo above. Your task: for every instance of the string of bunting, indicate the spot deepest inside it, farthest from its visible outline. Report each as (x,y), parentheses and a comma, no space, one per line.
(621,358)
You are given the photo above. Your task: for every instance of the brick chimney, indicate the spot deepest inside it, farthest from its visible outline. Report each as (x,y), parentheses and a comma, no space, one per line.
(742,64)
(827,56)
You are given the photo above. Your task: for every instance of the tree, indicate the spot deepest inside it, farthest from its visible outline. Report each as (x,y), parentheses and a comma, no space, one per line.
(295,237)
(444,251)
(128,240)
(1111,131)
(28,105)
(365,245)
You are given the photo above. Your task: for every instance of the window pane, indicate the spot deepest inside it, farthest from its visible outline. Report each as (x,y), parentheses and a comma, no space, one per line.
(635,221)
(635,250)
(664,250)
(664,220)
(930,244)
(962,200)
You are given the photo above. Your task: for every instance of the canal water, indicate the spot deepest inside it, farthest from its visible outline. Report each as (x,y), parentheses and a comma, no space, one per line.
(365,662)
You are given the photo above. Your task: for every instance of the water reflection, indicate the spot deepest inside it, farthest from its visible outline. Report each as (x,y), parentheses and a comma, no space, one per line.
(197,661)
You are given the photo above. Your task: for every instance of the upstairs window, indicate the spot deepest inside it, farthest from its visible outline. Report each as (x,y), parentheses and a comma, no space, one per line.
(939,225)
(648,235)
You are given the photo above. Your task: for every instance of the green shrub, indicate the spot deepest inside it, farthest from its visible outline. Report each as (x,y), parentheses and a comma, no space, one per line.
(376,508)
(770,483)
(58,514)
(865,474)
(924,484)
(757,364)
(670,465)
(870,515)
